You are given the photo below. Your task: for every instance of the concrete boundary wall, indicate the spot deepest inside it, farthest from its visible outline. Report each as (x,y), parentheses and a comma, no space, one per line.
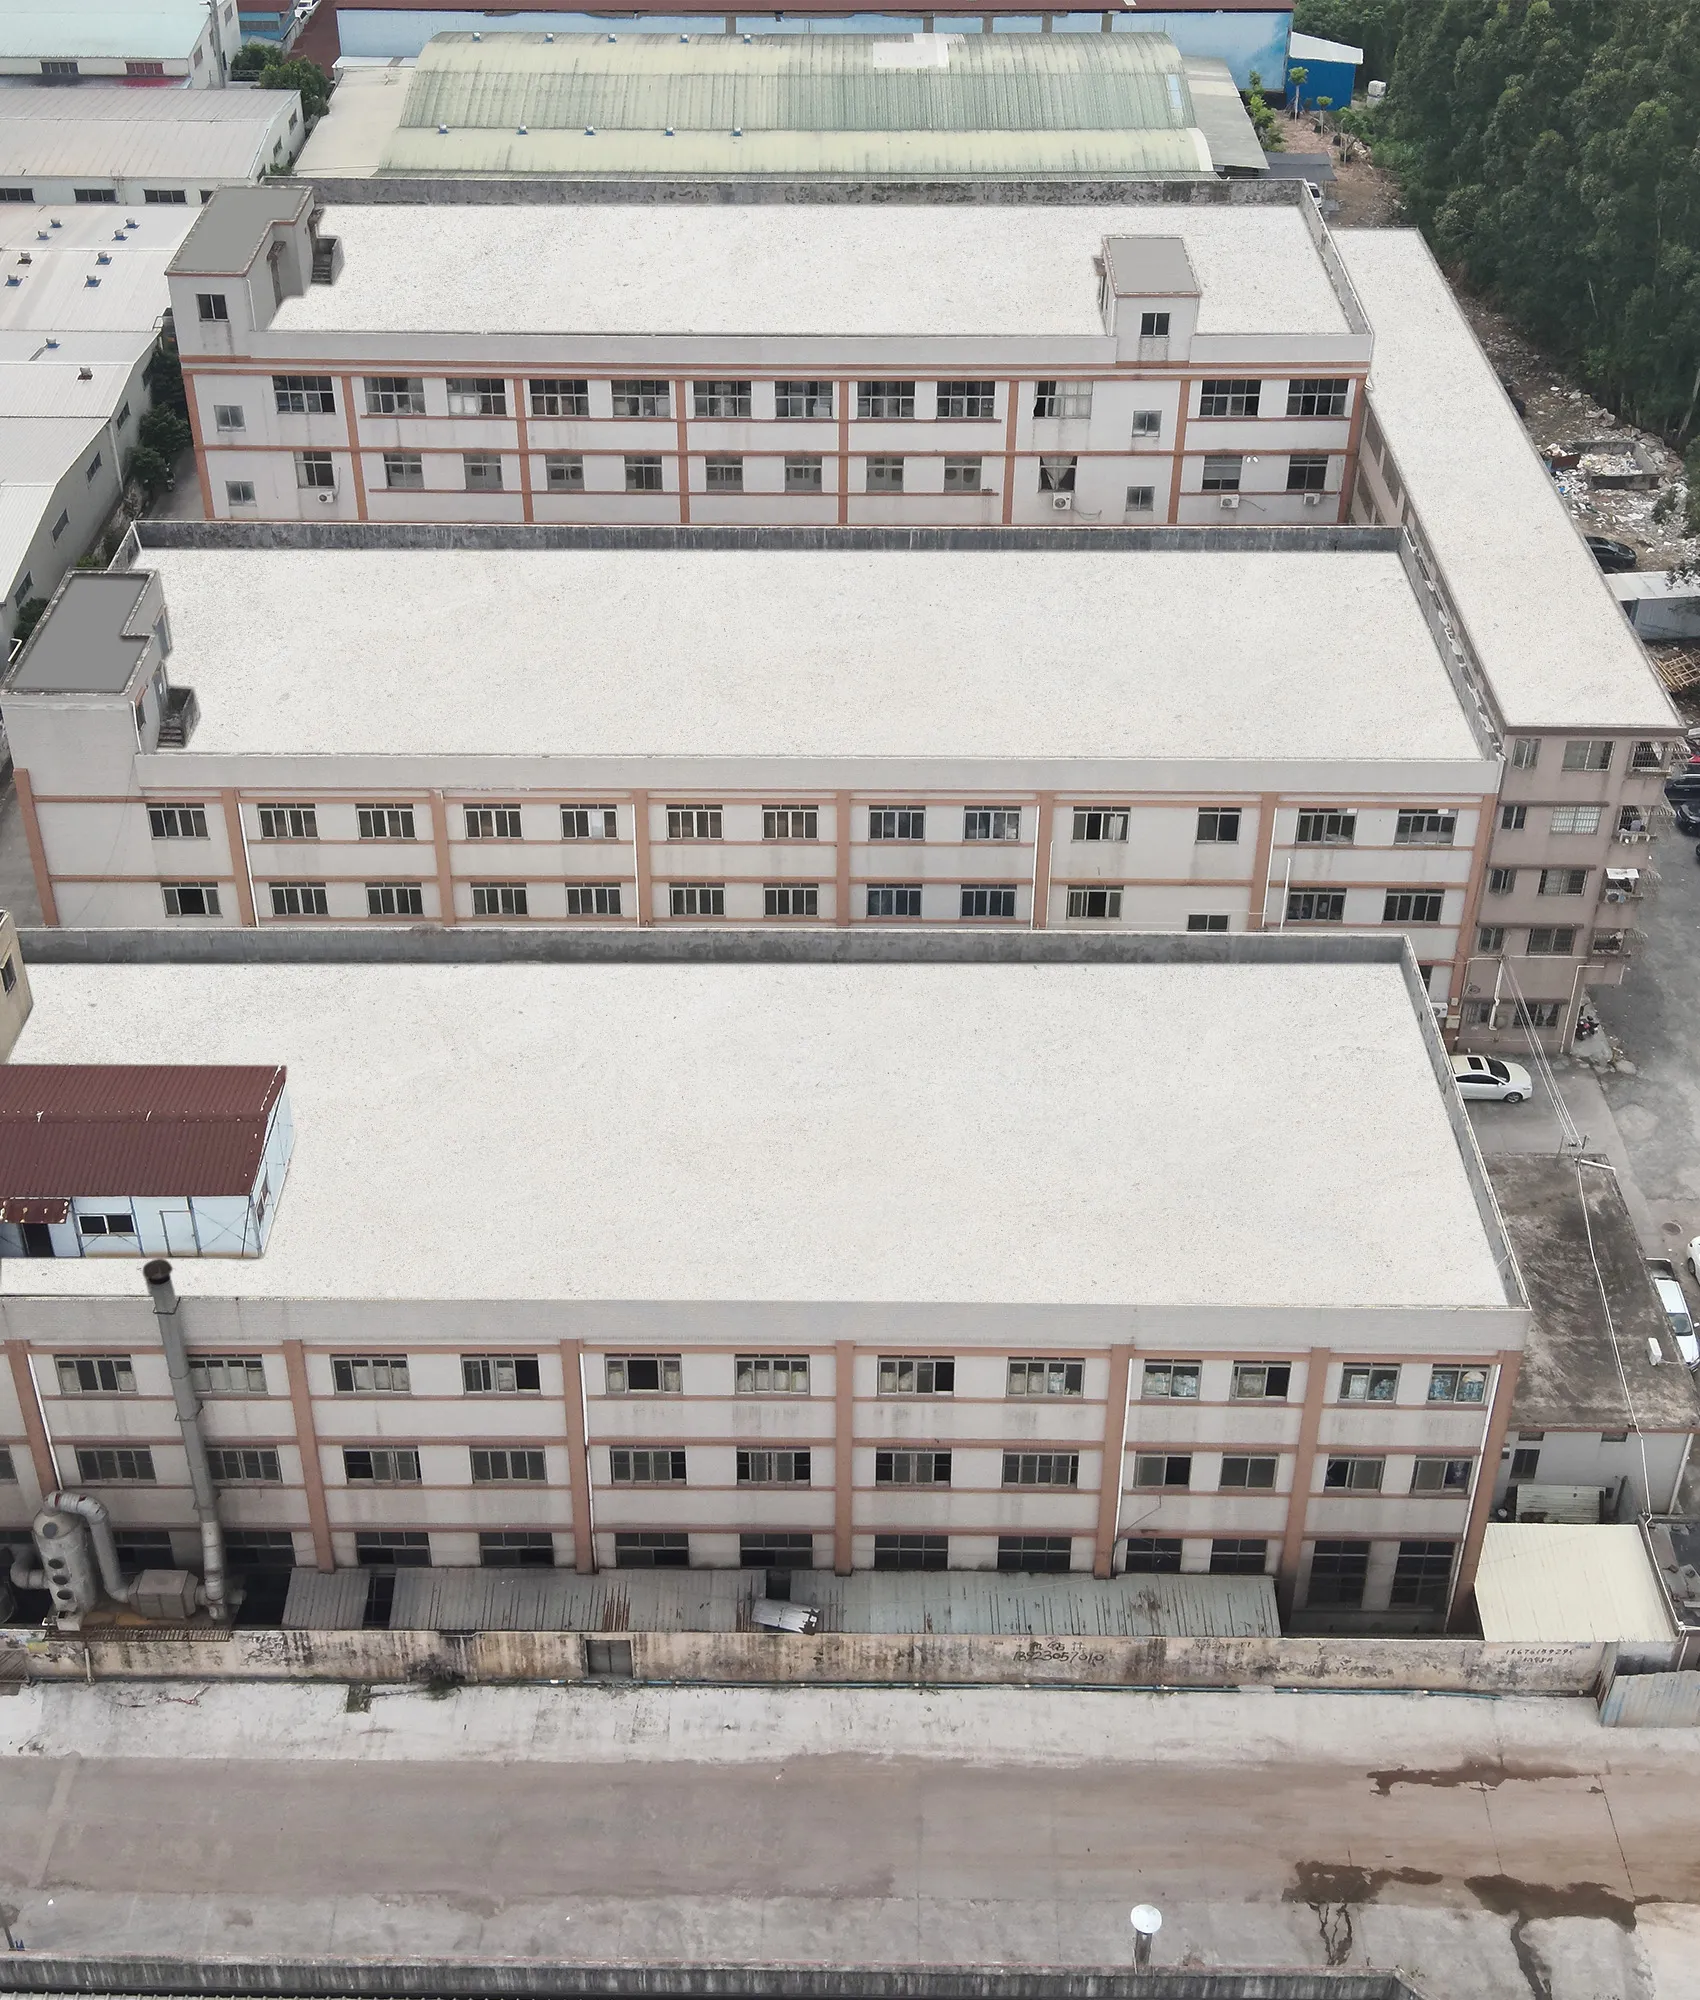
(568,191)
(1451,1666)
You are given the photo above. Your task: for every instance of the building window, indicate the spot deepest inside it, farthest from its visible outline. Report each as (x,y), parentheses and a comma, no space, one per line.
(500,1374)
(1320,828)
(1162,1469)
(563,471)
(1147,423)
(916,1375)
(885,475)
(1353,1475)
(554,398)
(1086,902)
(392,1548)
(1232,398)
(1369,1385)
(385,822)
(1141,500)
(1418,828)
(885,399)
(1441,1475)
(8,1471)
(94,1374)
(244,1465)
(589,823)
(652,1549)
(304,395)
(404,471)
(1501,881)
(962,475)
(897,822)
(1056,475)
(1098,823)
(720,399)
(395,899)
(314,472)
(1174,1381)
(643,475)
(1043,1377)
(1421,1576)
(1151,1555)
(1265,1381)
(1490,937)
(1562,881)
(1062,399)
(1337,1573)
(177,822)
(516,1548)
(593,899)
(390,1466)
(228,417)
(894,899)
(1253,1474)
(791,899)
(989,900)
(773,1468)
(110,1223)
(771,1374)
(723,474)
(483,470)
(370,1374)
(211,306)
(1457,1385)
(1513,819)
(1539,1013)
(976,401)
(1576,819)
(1404,907)
(477,396)
(26,588)
(228,1374)
(22,194)
(190,899)
(1218,824)
(1307,472)
(508,1467)
(642,399)
(911,1468)
(114,1465)
(803,475)
(809,400)
(1316,906)
(500,899)
(697,899)
(1525,752)
(1238,1556)
(299,899)
(63,522)
(289,823)
(1222,472)
(911,1551)
(776,1551)
(790,822)
(492,822)
(1552,941)
(395,396)
(239,492)
(1588,754)
(641,1374)
(1044,1555)
(251,1551)
(1323,396)
(1041,1468)
(8,973)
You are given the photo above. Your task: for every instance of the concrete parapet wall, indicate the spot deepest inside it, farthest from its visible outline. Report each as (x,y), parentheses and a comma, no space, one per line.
(569,190)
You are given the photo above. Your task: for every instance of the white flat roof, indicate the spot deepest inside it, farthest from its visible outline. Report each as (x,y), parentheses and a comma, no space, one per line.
(797,653)
(779,268)
(1543,620)
(926,1133)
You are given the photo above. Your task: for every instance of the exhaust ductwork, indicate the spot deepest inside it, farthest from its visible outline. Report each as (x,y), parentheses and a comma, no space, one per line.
(166,1306)
(112,1579)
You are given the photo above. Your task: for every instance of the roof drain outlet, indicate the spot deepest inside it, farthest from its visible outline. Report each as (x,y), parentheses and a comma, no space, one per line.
(157,1272)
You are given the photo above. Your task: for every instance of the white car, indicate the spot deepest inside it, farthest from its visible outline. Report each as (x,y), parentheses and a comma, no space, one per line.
(1676,1311)
(1487,1076)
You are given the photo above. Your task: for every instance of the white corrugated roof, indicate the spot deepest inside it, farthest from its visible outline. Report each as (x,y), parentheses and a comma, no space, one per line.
(1557,1585)
(131,134)
(35,454)
(1313,48)
(149,29)
(57,389)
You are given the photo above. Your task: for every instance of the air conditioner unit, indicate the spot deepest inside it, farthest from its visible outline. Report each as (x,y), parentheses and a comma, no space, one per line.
(1229,501)
(1062,503)
(327,496)
(1313,499)
(1617,896)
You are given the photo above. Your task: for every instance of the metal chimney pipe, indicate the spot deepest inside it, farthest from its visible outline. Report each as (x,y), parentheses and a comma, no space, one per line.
(157,1272)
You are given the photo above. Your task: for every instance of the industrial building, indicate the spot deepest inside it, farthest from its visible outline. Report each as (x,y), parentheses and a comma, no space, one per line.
(704,1264)
(163,44)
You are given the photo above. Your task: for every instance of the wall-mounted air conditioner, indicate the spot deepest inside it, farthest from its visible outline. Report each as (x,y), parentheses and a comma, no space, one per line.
(1229,501)
(1062,503)
(1313,499)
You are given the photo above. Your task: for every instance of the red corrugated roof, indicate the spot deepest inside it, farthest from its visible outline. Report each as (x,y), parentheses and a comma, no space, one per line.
(72,1129)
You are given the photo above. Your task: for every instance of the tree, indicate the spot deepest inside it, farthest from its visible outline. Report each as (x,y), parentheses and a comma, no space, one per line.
(1371,25)
(166,431)
(29,617)
(264,64)
(149,470)
(1262,118)
(165,380)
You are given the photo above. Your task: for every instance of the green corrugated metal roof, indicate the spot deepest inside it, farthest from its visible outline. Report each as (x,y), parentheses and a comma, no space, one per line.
(819,104)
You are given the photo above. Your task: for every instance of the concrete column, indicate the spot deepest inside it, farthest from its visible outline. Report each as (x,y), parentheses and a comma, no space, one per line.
(578,1455)
(307,1440)
(1304,1465)
(843,1449)
(1115,1462)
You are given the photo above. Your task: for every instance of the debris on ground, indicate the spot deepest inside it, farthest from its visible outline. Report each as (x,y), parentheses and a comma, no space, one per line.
(1360,196)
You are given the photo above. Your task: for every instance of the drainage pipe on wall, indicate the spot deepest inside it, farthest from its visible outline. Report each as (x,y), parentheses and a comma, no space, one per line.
(157,1272)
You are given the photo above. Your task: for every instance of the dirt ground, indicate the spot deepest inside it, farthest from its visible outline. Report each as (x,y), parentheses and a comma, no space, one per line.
(1367,197)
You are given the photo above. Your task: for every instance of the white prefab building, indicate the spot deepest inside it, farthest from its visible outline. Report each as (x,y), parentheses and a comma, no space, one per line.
(163,43)
(876,1265)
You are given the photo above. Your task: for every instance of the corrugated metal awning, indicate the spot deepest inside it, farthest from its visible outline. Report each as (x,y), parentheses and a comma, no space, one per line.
(1554,1584)
(327,1601)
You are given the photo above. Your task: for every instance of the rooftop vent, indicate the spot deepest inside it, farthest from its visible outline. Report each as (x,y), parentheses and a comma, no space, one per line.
(56,224)
(12,278)
(90,283)
(737,131)
(52,343)
(477,37)
(103,257)
(118,236)
(548,38)
(684,38)
(130,222)
(590,131)
(41,235)
(613,38)
(24,257)
(444,130)
(85,374)
(520,131)
(668,134)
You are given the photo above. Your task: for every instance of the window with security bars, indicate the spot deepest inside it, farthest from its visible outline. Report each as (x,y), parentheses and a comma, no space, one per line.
(392,1548)
(791,899)
(1041,1468)
(897,822)
(790,822)
(769,1550)
(694,823)
(593,899)
(644,397)
(553,396)
(720,399)
(507,1465)
(304,395)
(289,822)
(1062,399)
(395,396)
(1551,941)
(1307,472)
(1251,1474)
(390,1465)
(912,1552)
(1162,1469)
(1172,1381)
(1457,1385)
(589,823)
(641,1374)
(1100,823)
(115,1465)
(395,899)
(991,823)
(1337,1574)
(1422,1575)
(500,1374)
(299,899)
(492,822)
(1045,1377)
(1262,1381)
(244,1465)
(773,1468)
(1238,1556)
(1151,1555)
(516,1548)
(651,1548)
(1403,906)
(1349,1474)
(808,400)
(385,822)
(1322,828)
(697,899)
(177,822)
(771,1374)
(975,401)
(190,899)
(911,1468)
(1441,1475)
(500,899)
(1576,819)
(477,396)
(1417,827)
(1318,396)
(988,899)
(370,1375)
(1095,902)
(563,471)
(885,399)
(1232,397)
(916,1375)
(1562,882)
(94,1374)
(1365,1384)
(894,899)
(227,1374)
(1316,906)
(1041,1555)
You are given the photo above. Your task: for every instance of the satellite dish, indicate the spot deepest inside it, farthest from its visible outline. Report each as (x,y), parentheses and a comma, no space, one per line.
(1146,1920)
